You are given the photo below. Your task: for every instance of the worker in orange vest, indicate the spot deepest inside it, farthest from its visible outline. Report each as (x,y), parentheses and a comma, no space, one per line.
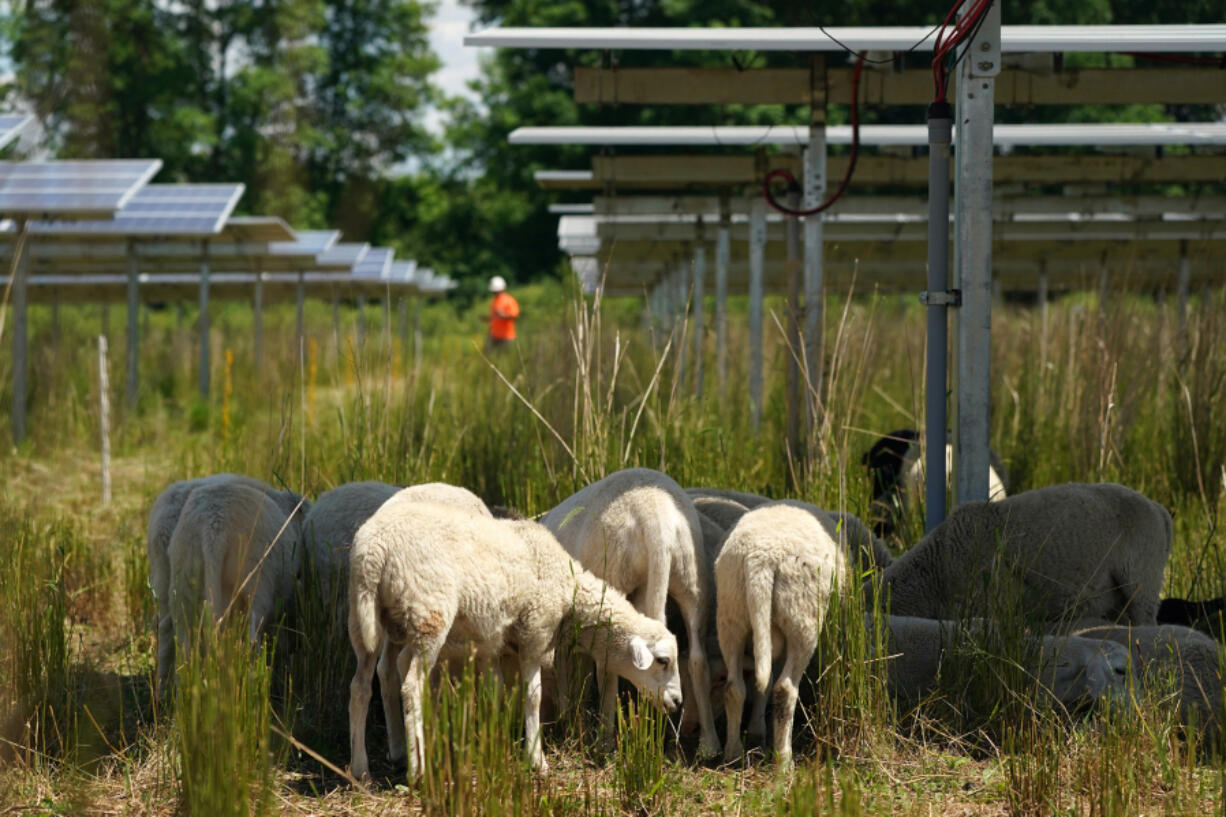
(503,312)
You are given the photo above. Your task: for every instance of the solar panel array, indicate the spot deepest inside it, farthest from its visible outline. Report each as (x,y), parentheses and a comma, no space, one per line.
(313,242)
(179,210)
(72,189)
(347,254)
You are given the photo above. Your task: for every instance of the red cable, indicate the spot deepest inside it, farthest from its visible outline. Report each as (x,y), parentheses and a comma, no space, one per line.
(851,164)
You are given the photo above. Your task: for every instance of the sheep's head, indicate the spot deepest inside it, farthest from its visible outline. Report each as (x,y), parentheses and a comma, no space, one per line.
(648,659)
(1080,671)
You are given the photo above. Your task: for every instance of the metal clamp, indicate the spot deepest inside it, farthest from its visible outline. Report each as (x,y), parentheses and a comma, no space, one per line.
(951,298)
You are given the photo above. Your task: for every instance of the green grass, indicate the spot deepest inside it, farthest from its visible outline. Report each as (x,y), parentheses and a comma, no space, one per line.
(585,392)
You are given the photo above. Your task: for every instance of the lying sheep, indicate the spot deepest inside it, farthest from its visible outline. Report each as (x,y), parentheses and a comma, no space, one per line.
(163,517)
(896,468)
(421,573)
(1165,652)
(1074,670)
(1066,554)
(638,530)
(233,546)
(330,528)
(774,578)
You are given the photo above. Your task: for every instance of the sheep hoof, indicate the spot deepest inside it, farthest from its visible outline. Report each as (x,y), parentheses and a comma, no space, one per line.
(708,749)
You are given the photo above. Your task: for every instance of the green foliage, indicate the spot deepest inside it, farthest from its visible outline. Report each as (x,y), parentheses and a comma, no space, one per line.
(642,771)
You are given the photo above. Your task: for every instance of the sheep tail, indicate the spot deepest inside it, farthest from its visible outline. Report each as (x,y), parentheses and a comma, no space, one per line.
(759,598)
(364,620)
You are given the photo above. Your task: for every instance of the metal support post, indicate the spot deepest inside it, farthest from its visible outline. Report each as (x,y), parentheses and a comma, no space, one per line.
(258,320)
(757,258)
(1042,298)
(938,299)
(973,263)
(700,294)
(722,252)
(792,327)
(204,319)
(682,277)
(21,340)
(133,323)
(814,184)
(299,306)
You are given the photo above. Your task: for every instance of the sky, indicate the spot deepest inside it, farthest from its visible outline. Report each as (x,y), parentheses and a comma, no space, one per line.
(459,64)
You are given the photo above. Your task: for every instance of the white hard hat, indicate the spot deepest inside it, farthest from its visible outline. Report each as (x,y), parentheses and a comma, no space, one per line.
(498,284)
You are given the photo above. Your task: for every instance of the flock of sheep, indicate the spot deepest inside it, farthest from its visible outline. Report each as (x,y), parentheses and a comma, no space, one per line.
(432,575)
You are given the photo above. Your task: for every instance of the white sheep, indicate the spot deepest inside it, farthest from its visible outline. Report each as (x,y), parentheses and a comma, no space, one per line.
(639,531)
(1074,670)
(163,517)
(896,468)
(233,546)
(1075,555)
(1162,653)
(774,578)
(329,530)
(421,573)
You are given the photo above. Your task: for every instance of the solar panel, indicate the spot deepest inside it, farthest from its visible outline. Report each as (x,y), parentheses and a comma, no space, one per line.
(11,126)
(181,210)
(348,254)
(264,229)
(311,242)
(376,264)
(72,189)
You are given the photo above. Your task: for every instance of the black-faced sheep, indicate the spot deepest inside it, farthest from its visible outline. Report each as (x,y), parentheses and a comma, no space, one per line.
(897,471)
(422,573)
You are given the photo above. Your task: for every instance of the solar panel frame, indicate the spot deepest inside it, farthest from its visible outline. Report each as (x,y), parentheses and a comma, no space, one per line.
(377,263)
(11,126)
(157,210)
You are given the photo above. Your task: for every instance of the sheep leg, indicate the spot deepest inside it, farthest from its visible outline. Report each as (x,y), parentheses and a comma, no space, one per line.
(786,689)
(414,666)
(732,637)
(700,683)
(607,683)
(757,717)
(359,703)
(530,668)
(561,678)
(165,654)
(389,691)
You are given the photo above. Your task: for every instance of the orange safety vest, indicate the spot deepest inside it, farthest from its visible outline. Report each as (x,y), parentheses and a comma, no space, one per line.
(503,312)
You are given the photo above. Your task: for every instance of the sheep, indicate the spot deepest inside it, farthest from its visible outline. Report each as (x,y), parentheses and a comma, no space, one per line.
(330,527)
(1088,553)
(897,471)
(1191,658)
(864,550)
(1207,616)
(638,530)
(163,517)
(422,573)
(741,497)
(774,578)
(721,510)
(1076,670)
(233,544)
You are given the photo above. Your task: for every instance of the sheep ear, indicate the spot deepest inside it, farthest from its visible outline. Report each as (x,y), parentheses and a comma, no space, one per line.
(640,654)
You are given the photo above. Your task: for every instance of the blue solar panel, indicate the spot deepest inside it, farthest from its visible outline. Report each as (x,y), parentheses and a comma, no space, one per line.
(310,242)
(376,264)
(344,254)
(83,188)
(159,209)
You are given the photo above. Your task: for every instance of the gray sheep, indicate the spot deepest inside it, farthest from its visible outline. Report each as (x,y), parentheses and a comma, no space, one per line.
(1068,555)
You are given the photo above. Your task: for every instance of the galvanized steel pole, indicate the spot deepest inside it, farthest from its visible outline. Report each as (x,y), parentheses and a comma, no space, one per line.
(757,258)
(700,283)
(973,261)
(133,367)
(814,184)
(722,252)
(204,319)
(938,299)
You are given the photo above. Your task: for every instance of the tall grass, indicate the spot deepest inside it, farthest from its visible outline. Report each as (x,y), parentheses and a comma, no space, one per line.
(222,727)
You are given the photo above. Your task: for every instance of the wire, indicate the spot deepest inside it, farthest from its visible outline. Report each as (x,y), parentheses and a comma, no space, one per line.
(786,175)
(965,29)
